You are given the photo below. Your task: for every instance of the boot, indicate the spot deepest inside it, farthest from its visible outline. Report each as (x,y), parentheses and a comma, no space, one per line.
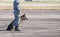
(17,28)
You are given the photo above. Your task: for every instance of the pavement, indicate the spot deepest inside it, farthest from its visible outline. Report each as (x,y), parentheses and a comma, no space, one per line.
(41,23)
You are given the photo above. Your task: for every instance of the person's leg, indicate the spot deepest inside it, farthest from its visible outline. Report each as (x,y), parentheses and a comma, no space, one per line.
(16,23)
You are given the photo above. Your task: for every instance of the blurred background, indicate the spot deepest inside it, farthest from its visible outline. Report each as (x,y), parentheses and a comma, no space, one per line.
(31,4)
(43,18)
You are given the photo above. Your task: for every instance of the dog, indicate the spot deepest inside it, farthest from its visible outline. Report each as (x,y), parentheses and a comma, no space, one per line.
(23,18)
(11,25)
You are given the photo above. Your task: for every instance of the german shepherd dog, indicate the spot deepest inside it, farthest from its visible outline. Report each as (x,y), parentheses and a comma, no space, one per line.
(23,18)
(10,26)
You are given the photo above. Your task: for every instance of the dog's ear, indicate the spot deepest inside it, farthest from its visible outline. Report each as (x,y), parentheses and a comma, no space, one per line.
(23,14)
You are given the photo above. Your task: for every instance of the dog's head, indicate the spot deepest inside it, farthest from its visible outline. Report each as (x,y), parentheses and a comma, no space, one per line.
(23,17)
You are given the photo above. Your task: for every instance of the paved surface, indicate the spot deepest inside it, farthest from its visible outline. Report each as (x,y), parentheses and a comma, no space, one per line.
(41,23)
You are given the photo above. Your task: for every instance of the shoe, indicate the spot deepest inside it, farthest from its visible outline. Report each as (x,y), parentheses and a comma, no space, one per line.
(17,28)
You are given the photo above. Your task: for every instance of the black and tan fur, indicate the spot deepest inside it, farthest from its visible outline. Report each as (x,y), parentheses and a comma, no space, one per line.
(10,26)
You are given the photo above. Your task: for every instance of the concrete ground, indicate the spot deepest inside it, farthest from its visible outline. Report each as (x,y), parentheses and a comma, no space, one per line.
(41,23)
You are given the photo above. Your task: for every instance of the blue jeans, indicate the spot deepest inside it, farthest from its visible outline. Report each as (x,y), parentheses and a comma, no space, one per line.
(16,13)
(16,20)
